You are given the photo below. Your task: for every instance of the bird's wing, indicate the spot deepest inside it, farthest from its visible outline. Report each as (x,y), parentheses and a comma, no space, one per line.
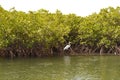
(66,47)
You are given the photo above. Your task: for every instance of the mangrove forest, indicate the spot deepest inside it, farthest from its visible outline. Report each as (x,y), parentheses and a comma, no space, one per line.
(42,33)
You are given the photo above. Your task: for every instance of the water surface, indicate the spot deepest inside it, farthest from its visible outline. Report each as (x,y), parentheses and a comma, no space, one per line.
(61,68)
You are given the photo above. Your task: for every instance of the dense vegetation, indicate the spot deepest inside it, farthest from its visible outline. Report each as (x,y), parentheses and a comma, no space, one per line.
(41,33)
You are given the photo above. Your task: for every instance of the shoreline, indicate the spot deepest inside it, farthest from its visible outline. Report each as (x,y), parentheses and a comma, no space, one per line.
(45,56)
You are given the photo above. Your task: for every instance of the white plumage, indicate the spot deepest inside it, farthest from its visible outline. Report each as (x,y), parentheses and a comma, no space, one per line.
(67,46)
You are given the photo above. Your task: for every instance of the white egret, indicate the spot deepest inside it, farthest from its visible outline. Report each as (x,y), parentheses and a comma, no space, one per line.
(67,46)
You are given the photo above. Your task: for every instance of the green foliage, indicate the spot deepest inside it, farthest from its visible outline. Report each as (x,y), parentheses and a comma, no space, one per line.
(53,29)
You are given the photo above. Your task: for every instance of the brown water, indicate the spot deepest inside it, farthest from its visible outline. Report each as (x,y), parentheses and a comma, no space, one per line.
(61,68)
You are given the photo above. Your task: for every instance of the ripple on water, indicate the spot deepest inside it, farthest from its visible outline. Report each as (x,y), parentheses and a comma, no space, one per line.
(45,64)
(87,77)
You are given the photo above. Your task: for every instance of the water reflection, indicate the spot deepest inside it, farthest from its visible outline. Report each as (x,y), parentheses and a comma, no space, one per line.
(67,60)
(61,68)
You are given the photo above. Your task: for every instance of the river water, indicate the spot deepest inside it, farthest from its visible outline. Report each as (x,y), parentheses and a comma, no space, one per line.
(61,68)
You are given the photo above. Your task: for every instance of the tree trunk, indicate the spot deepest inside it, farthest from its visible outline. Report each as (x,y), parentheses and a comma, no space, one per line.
(94,50)
(11,54)
(101,50)
(117,49)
